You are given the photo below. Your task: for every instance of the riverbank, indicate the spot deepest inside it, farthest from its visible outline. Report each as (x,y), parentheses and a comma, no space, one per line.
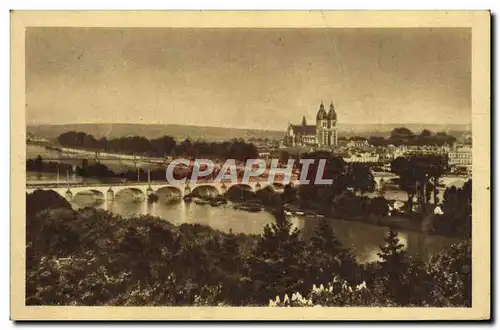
(399,221)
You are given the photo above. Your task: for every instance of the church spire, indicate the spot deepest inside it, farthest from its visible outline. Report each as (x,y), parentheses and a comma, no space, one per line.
(304,123)
(321,112)
(332,115)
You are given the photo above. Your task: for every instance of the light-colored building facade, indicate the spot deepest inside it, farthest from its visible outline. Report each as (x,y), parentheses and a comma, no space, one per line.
(358,143)
(460,156)
(363,158)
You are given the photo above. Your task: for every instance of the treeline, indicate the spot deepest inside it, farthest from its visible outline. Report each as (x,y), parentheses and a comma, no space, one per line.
(100,171)
(39,165)
(161,147)
(96,258)
(404,136)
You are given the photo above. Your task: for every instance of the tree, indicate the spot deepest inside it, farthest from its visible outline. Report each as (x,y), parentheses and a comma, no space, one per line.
(289,194)
(451,273)
(414,174)
(438,167)
(284,156)
(379,207)
(457,209)
(401,135)
(38,164)
(276,266)
(327,257)
(360,178)
(163,146)
(394,266)
(407,179)
(84,168)
(425,133)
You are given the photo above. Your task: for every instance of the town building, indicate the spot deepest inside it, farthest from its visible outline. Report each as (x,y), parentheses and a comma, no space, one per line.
(460,156)
(35,139)
(365,157)
(358,143)
(323,134)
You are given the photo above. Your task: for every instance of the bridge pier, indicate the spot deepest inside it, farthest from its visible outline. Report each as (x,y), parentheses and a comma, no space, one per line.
(187,189)
(110,195)
(68,195)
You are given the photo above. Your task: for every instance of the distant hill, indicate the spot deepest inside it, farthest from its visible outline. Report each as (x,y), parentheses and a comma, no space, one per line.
(385,129)
(151,131)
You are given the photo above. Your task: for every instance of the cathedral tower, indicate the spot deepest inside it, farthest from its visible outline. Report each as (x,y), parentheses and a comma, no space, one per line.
(326,132)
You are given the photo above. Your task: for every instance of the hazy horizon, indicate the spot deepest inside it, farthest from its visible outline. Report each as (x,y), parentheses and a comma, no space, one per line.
(247,78)
(394,125)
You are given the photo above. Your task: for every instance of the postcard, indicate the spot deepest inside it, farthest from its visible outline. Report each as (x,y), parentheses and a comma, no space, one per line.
(225,165)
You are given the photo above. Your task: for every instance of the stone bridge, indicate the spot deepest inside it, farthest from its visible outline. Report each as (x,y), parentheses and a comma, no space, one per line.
(141,190)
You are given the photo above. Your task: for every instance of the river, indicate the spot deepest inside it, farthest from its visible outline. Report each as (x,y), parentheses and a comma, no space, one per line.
(363,238)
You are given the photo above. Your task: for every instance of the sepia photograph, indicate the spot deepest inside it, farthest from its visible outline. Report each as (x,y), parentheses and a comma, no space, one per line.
(198,161)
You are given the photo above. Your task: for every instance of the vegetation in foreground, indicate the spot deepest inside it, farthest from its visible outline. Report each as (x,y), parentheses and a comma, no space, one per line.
(96,258)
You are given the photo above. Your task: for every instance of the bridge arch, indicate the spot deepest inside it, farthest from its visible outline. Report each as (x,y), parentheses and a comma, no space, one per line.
(130,193)
(240,191)
(205,190)
(168,193)
(96,194)
(278,187)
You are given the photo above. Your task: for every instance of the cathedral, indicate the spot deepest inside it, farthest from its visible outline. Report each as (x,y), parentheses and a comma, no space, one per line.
(323,134)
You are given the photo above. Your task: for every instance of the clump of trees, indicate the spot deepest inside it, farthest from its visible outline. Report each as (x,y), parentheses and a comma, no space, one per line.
(457,212)
(96,258)
(420,174)
(404,136)
(161,147)
(39,165)
(349,181)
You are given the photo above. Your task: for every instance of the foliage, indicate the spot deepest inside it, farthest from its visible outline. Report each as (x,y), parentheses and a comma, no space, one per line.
(457,211)
(96,258)
(39,165)
(451,271)
(404,136)
(276,266)
(360,178)
(415,173)
(161,147)
(396,280)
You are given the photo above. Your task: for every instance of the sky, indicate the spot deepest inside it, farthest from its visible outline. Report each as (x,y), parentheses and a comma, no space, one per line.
(247,78)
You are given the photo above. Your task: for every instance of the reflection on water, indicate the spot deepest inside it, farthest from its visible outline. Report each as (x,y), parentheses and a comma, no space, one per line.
(364,239)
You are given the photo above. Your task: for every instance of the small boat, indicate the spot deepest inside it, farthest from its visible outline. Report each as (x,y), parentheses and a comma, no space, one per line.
(217,203)
(253,209)
(299,213)
(220,200)
(201,201)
